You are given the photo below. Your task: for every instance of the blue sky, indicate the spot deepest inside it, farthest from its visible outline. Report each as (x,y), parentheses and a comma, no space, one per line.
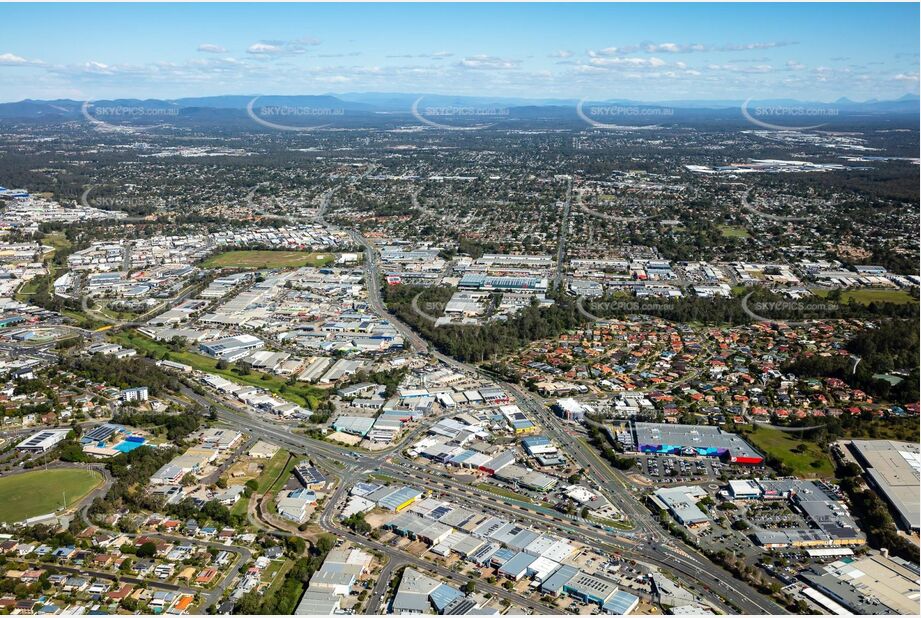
(642,52)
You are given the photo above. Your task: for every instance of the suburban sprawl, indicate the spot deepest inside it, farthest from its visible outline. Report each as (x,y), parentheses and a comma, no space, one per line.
(534,366)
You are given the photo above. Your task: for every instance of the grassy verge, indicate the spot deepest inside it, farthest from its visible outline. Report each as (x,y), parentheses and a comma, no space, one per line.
(301,394)
(272,470)
(275,574)
(282,480)
(501,491)
(240,507)
(57,240)
(612,523)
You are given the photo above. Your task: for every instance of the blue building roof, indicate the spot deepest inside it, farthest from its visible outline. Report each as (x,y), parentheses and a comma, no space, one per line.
(620,603)
(442,596)
(560,578)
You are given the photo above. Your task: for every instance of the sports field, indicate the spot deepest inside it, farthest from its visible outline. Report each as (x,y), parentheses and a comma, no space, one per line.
(268,259)
(870,295)
(43,491)
(733,231)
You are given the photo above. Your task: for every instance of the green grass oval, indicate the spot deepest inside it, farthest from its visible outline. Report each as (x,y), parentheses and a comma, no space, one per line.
(43,491)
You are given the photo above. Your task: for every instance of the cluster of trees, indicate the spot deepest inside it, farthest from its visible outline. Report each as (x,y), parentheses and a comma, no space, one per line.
(684,309)
(479,343)
(131,472)
(597,438)
(212,511)
(322,411)
(874,515)
(864,425)
(390,379)
(893,346)
(178,426)
(356,522)
(123,373)
(285,601)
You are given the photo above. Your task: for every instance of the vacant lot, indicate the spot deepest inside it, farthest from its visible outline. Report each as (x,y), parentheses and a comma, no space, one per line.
(268,259)
(43,491)
(805,458)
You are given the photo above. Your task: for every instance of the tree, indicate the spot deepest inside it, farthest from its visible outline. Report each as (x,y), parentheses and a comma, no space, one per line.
(325,543)
(147,550)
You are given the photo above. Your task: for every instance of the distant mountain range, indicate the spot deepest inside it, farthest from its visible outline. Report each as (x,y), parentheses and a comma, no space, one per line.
(364,104)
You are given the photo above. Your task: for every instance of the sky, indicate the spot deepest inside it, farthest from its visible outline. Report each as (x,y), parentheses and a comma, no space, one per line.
(643,52)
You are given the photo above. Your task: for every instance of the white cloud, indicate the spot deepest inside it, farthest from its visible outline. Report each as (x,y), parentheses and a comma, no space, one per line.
(266,49)
(439,55)
(561,54)
(735,68)
(484,62)
(12,60)
(628,62)
(211,48)
(282,48)
(906,77)
(684,48)
(793,65)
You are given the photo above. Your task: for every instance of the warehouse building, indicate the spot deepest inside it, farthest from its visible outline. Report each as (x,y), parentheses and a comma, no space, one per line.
(231,349)
(395,499)
(569,409)
(871,585)
(894,470)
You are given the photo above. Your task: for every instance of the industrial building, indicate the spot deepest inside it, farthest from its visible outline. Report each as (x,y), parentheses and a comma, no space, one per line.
(569,409)
(473,281)
(43,441)
(894,470)
(538,445)
(692,440)
(231,349)
(872,585)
